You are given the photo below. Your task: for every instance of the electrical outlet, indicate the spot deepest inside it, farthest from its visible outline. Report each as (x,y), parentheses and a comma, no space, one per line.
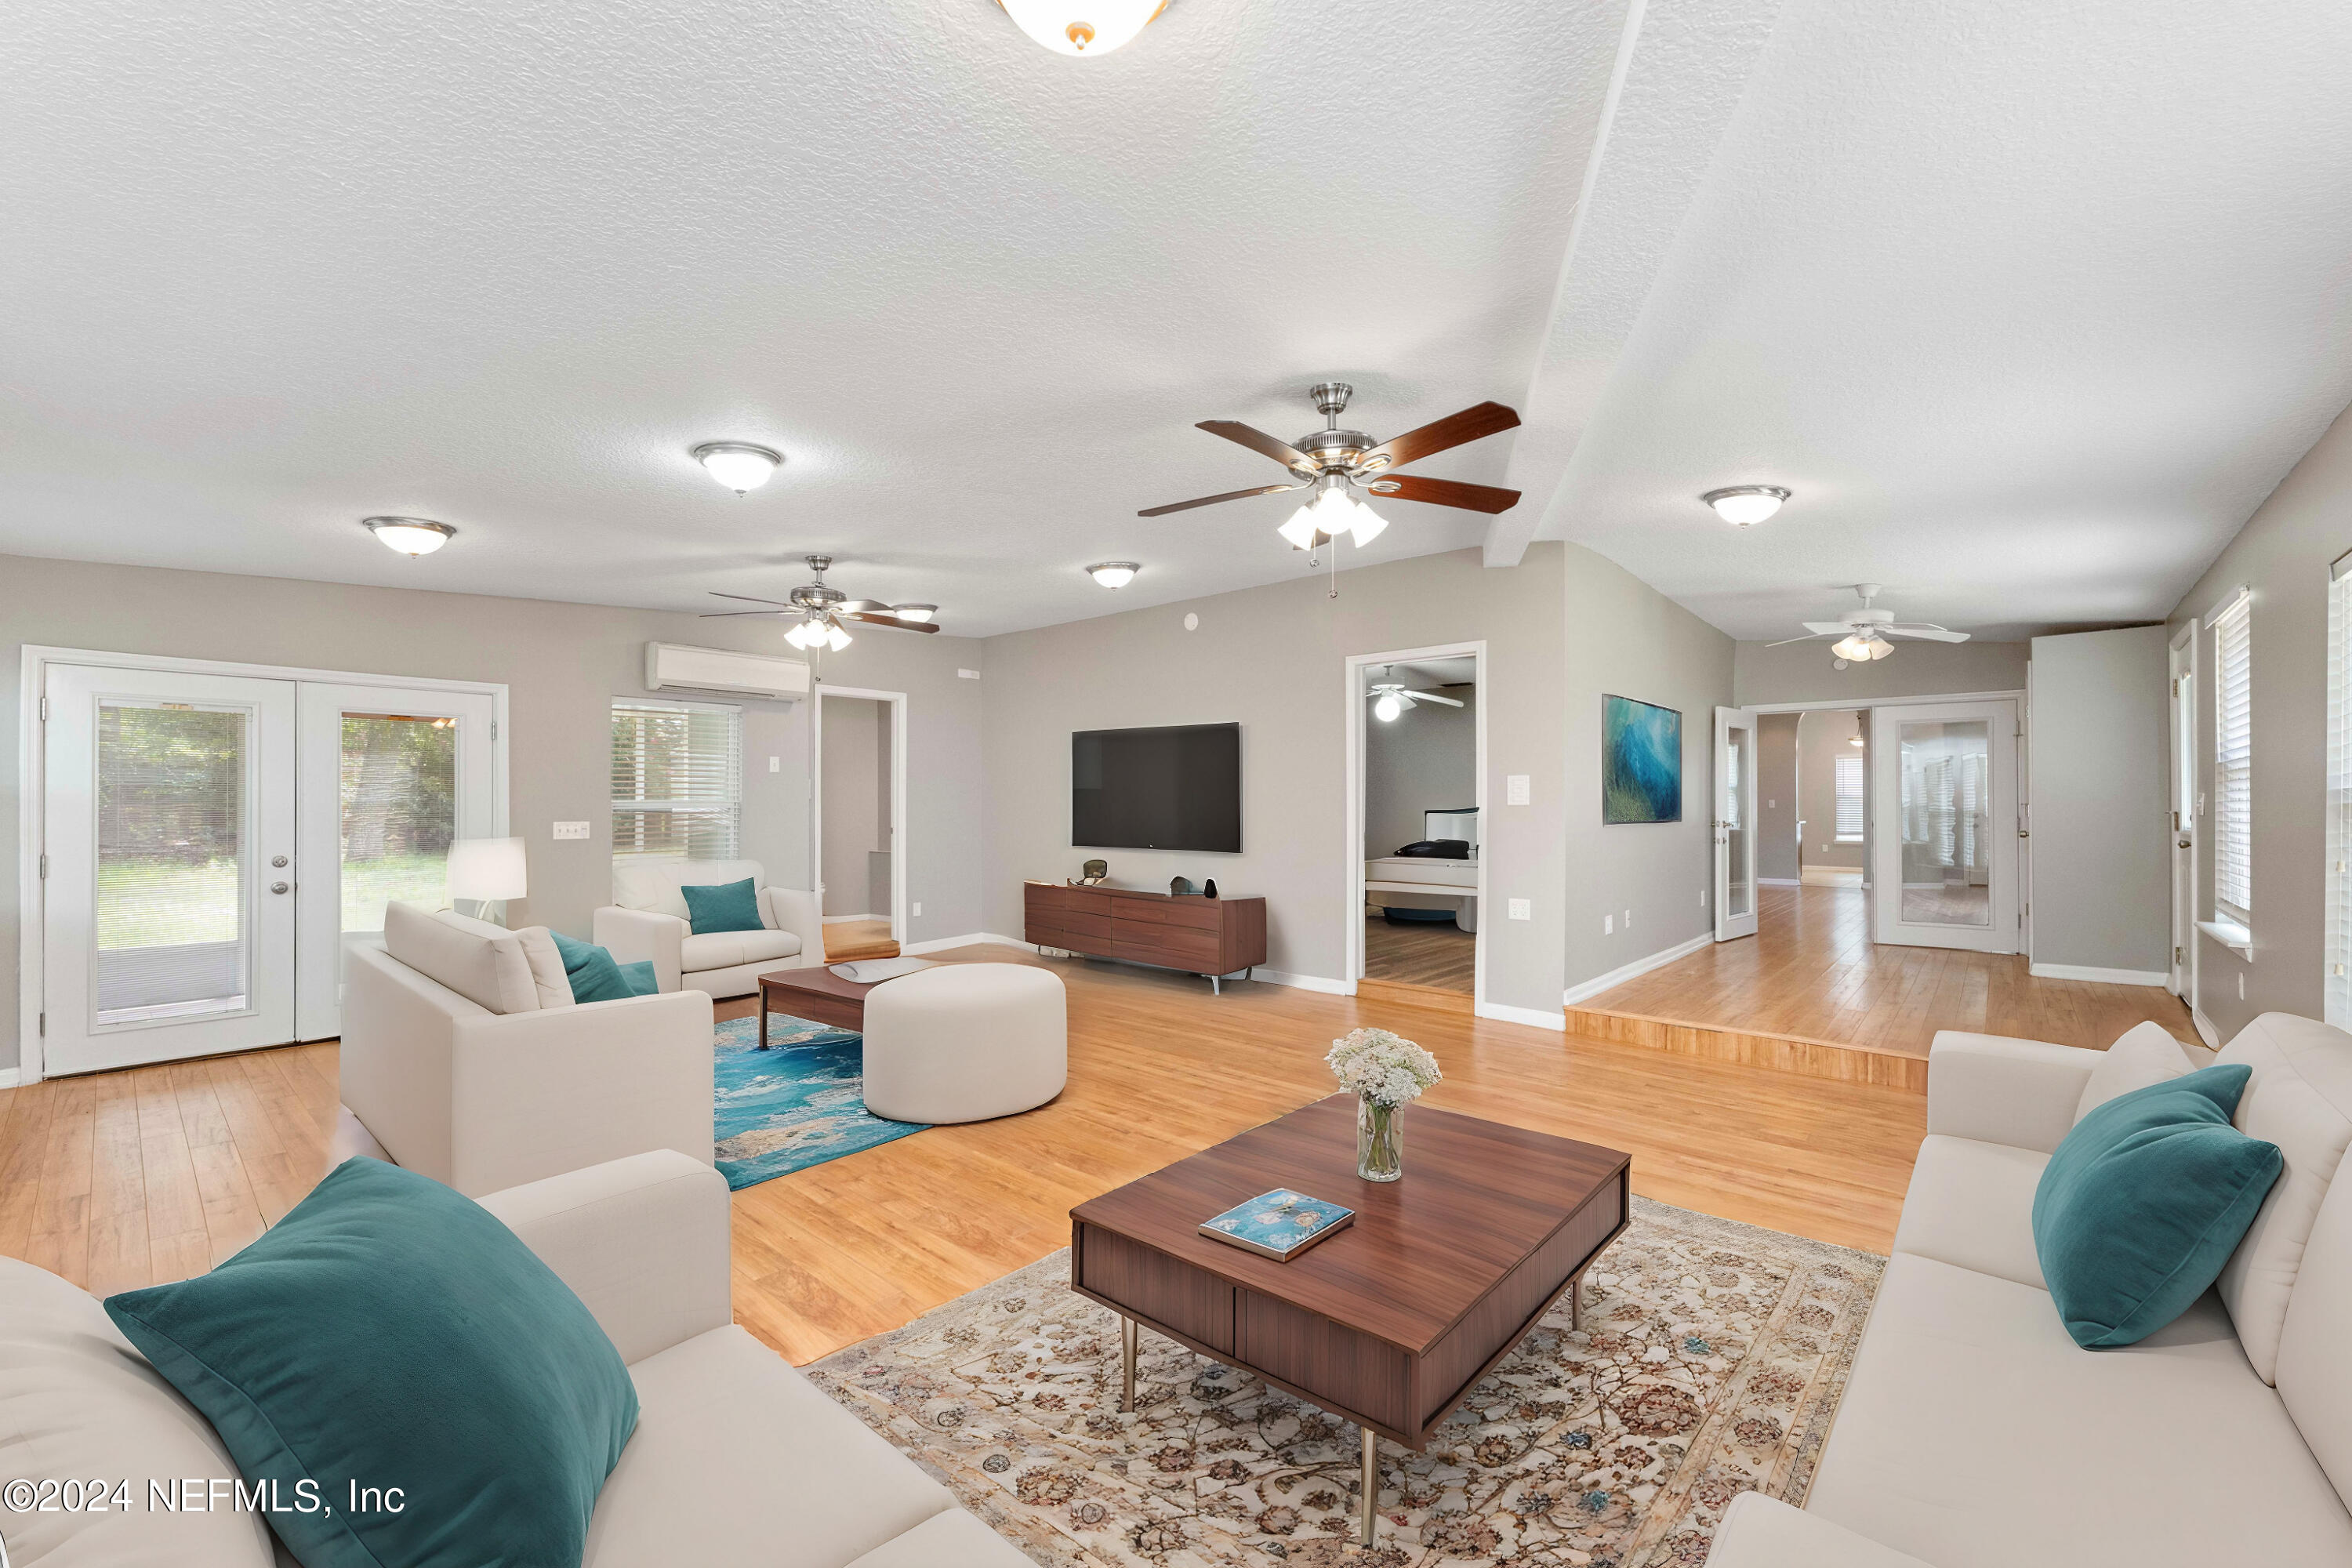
(1523,908)
(918,908)
(775,765)
(1702,898)
(1772,805)
(1608,925)
(1516,791)
(1629,919)
(967,675)
(2242,986)
(572,830)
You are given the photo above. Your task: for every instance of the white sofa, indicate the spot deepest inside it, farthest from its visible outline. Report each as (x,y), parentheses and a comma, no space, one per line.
(465,1058)
(737,1459)
(1975,1434)
(648,920)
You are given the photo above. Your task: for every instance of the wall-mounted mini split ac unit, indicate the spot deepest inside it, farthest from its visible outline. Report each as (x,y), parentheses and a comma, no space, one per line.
(670,666)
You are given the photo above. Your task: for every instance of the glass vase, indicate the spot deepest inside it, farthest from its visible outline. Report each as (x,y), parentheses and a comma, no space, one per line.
(1379,1142)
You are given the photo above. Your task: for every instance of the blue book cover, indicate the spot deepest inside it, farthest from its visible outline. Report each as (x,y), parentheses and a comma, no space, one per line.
(1280,1224)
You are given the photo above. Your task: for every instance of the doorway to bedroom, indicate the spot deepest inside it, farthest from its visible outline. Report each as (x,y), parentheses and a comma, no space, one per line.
(1417,734)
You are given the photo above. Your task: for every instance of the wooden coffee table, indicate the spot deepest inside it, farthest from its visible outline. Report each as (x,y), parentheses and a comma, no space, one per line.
(814,992)
(1389,1322)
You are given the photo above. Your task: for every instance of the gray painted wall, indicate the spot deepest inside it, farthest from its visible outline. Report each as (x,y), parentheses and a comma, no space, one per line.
(2102,874)
(2282,554)
(1425,760)
(1822,738)
(563,663)
(1776,788)
(857,794)
(1803,672)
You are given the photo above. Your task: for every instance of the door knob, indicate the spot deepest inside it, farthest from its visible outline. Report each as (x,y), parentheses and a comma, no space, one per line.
(278,887)
(278,861)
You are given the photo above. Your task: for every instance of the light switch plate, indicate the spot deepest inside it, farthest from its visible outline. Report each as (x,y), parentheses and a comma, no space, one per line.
(1516,791)
(775,765)
(967,675)
(1523,908)
(918,908)
(572,830)
(1608,925)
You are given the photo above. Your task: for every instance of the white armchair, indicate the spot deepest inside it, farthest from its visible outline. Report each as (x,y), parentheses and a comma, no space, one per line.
(646,920)
(465,1059)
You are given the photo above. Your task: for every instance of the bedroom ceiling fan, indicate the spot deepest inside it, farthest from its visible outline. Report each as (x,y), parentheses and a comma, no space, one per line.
(1334,463)
(817,610)
(1862,634)
(1389,699)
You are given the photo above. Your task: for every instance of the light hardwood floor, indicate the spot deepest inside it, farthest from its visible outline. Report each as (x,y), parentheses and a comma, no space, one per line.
(1811,972)
(123,1179)
(1443,956)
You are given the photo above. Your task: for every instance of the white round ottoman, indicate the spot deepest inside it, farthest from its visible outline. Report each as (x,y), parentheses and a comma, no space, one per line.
(965,1042)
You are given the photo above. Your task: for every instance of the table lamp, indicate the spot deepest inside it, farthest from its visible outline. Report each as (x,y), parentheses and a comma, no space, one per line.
(486,870)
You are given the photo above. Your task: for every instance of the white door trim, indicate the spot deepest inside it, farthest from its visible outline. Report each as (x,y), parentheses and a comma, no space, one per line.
(32,766)
(2180,756)
(1352,824)
(2001,933)
(897,702)
(1729,927)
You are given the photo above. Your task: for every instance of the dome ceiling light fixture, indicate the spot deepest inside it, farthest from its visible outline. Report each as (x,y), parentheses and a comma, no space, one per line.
(916,612)
(740,466)
(412,536)
(1114,574)
(1082,28)
(1744,506)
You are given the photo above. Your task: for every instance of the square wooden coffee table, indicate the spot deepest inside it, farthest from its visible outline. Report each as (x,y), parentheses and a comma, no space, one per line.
(1389,1322)
(815,992)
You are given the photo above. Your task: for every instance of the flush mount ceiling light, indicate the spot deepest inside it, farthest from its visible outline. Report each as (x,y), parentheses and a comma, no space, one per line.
(1082,27)
(1744,506)
(409,535)
(741,468)
(916,612)
(1114,574)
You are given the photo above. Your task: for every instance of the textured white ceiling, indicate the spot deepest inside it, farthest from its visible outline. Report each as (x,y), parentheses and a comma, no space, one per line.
(270,267)
(2030,304)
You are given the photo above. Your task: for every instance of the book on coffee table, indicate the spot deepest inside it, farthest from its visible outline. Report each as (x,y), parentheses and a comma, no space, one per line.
(1280,1224)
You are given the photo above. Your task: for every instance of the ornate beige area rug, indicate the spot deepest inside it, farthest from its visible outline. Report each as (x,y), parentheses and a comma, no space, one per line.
(1711,1362)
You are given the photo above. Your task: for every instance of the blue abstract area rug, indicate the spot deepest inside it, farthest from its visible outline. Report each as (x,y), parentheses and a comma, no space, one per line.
(796,1104)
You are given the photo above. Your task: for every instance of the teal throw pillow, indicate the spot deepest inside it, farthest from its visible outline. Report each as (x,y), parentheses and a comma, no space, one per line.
(723,906)
(595,977)
(389,1334)
(2144,1202)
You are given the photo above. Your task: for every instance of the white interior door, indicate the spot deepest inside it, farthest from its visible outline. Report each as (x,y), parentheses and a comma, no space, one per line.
(1735,823)
(1944,827)
(167,905)
(389,776)
(2183,848)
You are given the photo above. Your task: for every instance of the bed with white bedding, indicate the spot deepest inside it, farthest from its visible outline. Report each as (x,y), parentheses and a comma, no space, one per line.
(1417,881)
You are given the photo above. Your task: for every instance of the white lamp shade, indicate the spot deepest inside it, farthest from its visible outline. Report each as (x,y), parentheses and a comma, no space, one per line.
(1387,708)
(738,466)
(1300,530)
(1082,27)
(1367,525)
(486,869)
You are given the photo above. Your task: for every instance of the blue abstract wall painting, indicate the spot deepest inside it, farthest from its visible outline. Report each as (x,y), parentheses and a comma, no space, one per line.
(1641,761)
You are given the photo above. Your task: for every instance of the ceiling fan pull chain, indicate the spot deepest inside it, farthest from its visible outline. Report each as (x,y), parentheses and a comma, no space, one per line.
(1335,569)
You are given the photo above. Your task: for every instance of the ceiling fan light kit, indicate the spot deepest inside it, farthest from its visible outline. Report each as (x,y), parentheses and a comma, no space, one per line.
(741,467)
(1744,506)
(1392,699)
(411,536)
(1114,574)
(1082,28)
(1862,634)
(817,609)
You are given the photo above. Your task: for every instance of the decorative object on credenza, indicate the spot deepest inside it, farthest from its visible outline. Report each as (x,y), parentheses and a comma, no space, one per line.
(1280,1224)
(1641,761)
(1093,874)
(1179,886)
(1385,1072)
(1209,888)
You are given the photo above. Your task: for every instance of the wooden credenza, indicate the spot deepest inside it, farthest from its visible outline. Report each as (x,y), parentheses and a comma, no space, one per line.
(1205,936)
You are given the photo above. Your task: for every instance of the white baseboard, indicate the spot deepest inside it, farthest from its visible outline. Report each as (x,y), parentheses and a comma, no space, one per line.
(939,943)
(2103,976)
(845,920)
(1832,876)
(1778,882)
(9,1076)
(2205,1029)
(1535,1017)
(1625,971)
(1322,983)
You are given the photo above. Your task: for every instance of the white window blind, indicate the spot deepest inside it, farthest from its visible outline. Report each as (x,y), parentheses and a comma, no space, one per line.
(677,779)
(2233,812)
(1848,797)
(2338,950)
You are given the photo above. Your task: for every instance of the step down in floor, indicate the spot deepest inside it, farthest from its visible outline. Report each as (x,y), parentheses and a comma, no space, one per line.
(1784,1053)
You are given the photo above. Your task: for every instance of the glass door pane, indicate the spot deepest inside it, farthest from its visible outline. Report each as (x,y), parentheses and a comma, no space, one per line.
(174,866)
(1946,802)
(398,797)
(1739,825)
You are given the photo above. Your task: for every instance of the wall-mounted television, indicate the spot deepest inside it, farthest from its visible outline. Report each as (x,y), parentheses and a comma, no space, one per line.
(1175,787)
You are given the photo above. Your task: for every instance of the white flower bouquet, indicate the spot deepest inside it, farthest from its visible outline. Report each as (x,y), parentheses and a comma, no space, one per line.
(1385,1071)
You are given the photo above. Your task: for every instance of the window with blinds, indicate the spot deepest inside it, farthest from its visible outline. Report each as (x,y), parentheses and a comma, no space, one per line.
(2233,812)
(677,779)
(2338,950)
(1848,797)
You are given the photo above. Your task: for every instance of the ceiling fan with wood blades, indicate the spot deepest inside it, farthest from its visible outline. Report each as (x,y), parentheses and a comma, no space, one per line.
(817,609)
(1391,699)
(1862,634)
(1334,463)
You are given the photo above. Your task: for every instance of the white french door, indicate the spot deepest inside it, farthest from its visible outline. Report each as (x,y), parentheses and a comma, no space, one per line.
(1735,823)
(167,905)
(390,775)
(1944,825)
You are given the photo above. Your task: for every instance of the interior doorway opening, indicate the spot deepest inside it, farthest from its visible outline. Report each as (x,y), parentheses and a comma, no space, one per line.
(1416,823)
(857,840)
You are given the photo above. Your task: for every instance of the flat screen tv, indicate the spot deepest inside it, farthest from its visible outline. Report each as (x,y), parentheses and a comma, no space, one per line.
(1176,787)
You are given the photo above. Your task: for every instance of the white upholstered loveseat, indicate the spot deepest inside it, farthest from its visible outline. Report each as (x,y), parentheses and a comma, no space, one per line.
(1975,1434)
(648,920)
(737,1459)
(465,1058)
